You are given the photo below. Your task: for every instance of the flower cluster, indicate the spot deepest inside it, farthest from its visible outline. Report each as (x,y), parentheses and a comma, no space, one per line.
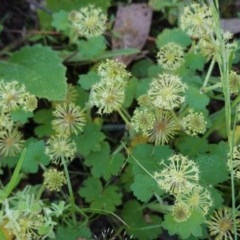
(27,218)
(234,164)
(197,198)
(181,212)
(11,142)
(171,56)
(54,179)
(194,123)
(180,177)
(234,82)
(60,148)
(220,224)
(197,20)
(209,46)
(89,21)
(14,96)
(69,118)
(158,126)
(108,94)
(166,91)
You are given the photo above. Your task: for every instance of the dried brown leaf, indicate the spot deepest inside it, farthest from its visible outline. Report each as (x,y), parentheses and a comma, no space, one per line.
(131,29)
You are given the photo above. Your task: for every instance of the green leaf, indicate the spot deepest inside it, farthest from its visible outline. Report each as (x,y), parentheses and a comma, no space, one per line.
(40,69)
(90,189)
(158,5)
(217,198)
(145,161)
(90,140)
(61,21)
(103,164)
(142,87)
(195,99)
(87,80)
(43,117)
(140,68)
(140,226)
(21,116)
(98,197)
(130,92)
(173,35)
(148,157)
(34,156)
(185,229)
(192,146)
(71,233)
(213,168)
(194,61)
(92,47)
(72,57)
(143,187)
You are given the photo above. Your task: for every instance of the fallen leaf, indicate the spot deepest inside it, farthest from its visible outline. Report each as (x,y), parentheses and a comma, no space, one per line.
(131,29)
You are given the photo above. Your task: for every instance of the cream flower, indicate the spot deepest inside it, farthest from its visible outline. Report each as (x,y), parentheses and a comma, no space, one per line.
(89,21)
(166,91)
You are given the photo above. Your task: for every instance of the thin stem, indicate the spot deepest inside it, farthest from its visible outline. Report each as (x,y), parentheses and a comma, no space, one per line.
(208,73)
(124,117)
(69,189)
(224,63)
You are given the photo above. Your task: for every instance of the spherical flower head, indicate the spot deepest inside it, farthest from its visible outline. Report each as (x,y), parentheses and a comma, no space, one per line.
(235,163)
(207,47)
(107,98)
(89,21)
(163,128)
(113,71)
(197,20)
(11,142)
(54,179)
(181,212)
(145,101)
(30,102)
(166,91)
(197,198)
(179,176)
(5,121)
(171,56)
(220,224)
(194,123)
(24,217)
(69,118)
(234,82)
(12,95)
(143,120)
(60,148)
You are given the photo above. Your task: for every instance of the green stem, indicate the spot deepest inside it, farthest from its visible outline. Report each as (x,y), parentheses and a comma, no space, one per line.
(123,116)
(69,189)
(223,58)
(208,73)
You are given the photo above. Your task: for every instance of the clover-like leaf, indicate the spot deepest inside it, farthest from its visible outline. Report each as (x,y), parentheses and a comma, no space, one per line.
(191,226)
(90,140)
(173,35)
(73,233)
(213,168)
(103,164)
(87,80)
(34,156)
(100,197)
(140,226)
